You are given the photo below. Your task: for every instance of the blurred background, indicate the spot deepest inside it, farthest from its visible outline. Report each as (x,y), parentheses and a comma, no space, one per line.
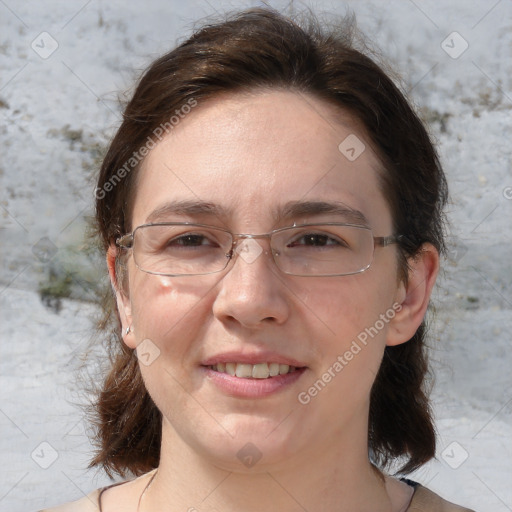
(64,65)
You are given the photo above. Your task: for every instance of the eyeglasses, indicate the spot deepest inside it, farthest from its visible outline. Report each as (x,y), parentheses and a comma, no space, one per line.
(185,249)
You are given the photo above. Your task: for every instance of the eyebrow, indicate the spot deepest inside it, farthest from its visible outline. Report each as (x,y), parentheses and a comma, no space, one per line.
(294,209)
(289,211)
(184,208)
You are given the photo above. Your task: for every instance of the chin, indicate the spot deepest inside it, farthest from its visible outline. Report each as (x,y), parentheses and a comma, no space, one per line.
(253,449)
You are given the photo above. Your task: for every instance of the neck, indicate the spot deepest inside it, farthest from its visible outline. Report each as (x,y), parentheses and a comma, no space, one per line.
(326,478)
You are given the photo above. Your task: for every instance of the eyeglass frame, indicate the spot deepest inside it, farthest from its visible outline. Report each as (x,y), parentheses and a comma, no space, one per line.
(381,241)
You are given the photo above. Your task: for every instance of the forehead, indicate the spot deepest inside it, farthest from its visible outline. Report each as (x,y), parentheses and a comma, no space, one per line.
(252,154)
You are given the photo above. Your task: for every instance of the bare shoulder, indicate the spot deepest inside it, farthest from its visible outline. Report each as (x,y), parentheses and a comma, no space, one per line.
(124,497)
(424,500)
(115,498)
(89,503)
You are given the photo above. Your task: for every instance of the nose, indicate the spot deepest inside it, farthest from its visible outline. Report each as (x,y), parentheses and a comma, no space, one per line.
(252,293)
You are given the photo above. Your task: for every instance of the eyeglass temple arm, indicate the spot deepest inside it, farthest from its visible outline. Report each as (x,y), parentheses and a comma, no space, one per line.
(125,241)
(386,240)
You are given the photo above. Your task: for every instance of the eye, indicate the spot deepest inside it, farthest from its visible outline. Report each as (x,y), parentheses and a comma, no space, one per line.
(317,240)
(192,240)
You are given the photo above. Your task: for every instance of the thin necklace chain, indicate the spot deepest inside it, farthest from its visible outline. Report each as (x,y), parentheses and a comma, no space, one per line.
(148,485)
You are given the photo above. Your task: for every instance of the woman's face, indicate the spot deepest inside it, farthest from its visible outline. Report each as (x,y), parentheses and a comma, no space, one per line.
(250,158)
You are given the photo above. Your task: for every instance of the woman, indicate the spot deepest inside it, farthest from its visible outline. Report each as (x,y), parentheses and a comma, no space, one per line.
(271,210)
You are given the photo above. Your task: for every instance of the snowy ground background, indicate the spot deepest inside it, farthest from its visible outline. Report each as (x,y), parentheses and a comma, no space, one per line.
(55,114)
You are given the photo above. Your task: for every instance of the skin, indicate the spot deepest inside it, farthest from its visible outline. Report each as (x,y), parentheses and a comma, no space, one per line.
(250,154)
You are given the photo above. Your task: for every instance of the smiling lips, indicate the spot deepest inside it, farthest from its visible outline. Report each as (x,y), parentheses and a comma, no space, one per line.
(252,375)
(254,371)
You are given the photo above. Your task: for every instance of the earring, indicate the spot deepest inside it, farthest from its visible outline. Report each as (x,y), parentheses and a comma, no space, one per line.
(128,330)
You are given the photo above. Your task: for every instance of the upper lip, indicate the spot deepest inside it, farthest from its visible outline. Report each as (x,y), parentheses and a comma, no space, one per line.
(252,358)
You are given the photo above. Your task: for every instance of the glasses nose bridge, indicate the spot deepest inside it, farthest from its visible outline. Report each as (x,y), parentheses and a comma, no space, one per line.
(237,237)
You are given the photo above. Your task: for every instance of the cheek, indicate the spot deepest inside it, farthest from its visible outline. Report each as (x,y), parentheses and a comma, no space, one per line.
(174,316)
(351,304)
(354,318)
(171,313)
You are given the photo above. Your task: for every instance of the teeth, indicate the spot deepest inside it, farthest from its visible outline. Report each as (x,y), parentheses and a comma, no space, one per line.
(274,369)
(255,371)
(243,370)
(260,371)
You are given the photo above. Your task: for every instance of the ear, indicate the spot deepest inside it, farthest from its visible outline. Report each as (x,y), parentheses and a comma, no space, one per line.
(122,298)
(413,298)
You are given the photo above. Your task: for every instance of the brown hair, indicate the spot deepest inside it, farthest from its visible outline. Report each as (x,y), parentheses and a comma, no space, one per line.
(262,48)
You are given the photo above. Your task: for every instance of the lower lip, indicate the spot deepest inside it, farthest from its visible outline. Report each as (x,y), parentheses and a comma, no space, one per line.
(252,388)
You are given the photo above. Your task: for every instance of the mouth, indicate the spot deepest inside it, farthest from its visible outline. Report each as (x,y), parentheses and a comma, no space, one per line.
(252,380)
(265,370)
